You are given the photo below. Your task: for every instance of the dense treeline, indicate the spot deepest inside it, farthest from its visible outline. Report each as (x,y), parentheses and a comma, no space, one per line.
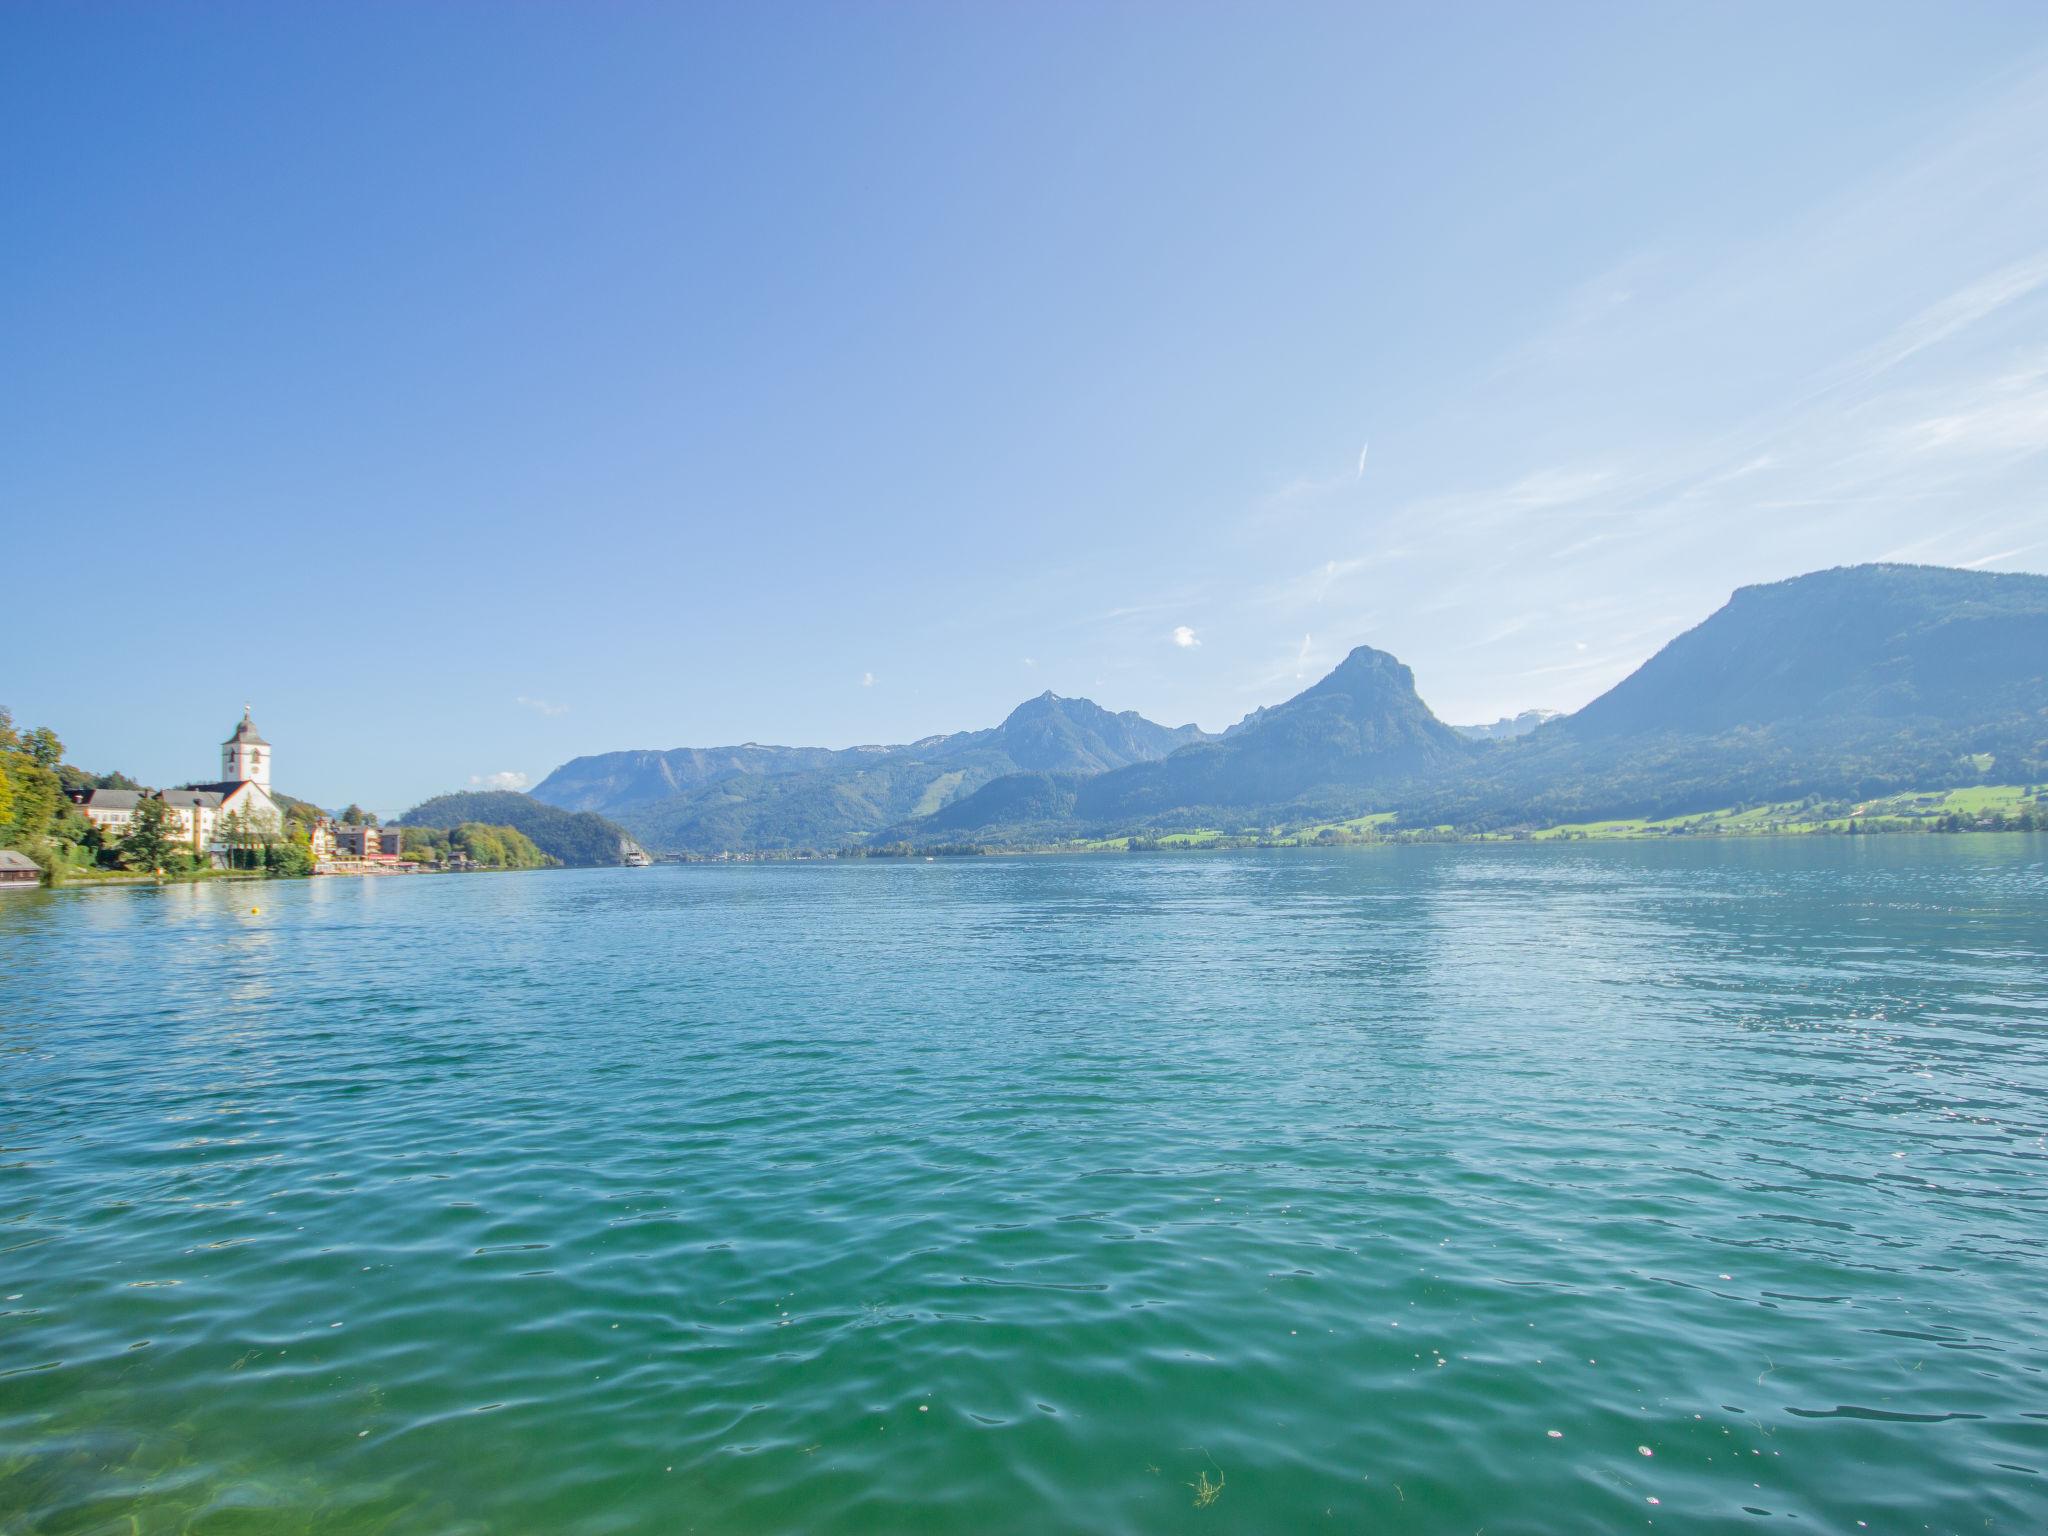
(35,817)
(567,837)
(481,844)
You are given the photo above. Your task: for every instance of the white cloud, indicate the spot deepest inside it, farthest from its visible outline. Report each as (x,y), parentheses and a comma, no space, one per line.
(1949,317)
(541,706)
(1692,420)
(510,778)
(1982,561)
(2004,554)
(867,679)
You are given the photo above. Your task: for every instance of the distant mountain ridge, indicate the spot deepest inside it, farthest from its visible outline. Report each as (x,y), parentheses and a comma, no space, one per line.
(1871,642)
(1508,727)
(1360,730)
(1863,680)
(712,799)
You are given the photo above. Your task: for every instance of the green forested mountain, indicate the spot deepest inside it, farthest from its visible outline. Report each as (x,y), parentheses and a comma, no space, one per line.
(1358,734)
(1863,648)
(568,837)
(485,846)
(1861,681)
(1354,738)
(762,797)
(610,781)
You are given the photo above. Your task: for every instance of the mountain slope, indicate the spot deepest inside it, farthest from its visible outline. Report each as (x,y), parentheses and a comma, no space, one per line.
(1508,727)
(573,837)
(1349,740)
(1858,681)
(755,797)
(1858,643)
(1050,734)
(1361,728)
(609,780)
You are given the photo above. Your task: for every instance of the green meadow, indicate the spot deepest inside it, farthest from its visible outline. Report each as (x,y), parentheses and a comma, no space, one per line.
(1914,811)
(1978,807)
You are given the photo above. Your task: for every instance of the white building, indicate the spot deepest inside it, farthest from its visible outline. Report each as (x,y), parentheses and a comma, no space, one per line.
(245,756)
(206,817)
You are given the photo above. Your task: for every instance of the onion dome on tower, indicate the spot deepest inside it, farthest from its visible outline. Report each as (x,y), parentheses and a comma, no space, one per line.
(245,755)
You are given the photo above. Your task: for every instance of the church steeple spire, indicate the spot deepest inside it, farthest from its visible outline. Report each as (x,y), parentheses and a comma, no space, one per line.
(245,755)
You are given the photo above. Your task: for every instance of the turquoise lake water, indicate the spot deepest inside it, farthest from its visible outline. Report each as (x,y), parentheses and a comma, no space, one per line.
(1667,1187)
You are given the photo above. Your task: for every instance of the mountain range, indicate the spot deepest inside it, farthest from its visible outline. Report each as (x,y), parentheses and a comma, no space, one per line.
(749,797)
(1856,681)
(1508,727)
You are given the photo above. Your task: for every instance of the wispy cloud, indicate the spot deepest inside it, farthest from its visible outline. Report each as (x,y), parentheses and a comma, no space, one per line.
(867,679)
(1943,319)
(541,706)
(2004,554)
(508,778)
(1313,587)
(1692,418)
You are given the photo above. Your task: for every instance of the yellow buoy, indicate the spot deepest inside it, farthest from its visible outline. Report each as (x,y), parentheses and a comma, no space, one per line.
(254,910)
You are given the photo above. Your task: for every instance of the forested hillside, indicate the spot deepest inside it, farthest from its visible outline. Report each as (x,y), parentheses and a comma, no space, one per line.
(1862,681)
(760,797)
(568,837)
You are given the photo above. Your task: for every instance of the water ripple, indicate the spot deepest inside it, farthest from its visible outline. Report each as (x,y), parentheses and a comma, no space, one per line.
(1411,1190)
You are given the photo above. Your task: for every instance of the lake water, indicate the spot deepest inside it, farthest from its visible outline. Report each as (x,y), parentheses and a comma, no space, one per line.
(1685,1187)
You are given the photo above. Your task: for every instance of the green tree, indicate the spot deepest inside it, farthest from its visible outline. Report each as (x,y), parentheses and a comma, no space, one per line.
(33,794)
(356,816)
(43,747)
(291,857)
(247,840)
(492,847)
(150,841)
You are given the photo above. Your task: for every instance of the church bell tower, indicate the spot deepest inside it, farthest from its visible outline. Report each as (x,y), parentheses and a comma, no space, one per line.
(245,755)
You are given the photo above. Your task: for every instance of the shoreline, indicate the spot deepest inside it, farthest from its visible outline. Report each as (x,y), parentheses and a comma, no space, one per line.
(122,880)
(1095,847)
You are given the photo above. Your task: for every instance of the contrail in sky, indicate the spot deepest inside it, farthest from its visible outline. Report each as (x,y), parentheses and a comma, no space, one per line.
(1362,452)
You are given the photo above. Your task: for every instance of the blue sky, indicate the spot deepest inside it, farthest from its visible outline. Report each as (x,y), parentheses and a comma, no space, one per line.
(473,387)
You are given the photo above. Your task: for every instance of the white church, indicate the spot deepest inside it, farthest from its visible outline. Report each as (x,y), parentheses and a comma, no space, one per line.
(204,814)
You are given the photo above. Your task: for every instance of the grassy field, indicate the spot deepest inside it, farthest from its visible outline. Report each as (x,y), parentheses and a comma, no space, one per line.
(1358,829)
(1911,812)
(1892,813)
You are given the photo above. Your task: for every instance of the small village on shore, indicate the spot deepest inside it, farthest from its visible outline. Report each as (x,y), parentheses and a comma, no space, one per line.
(71,826)
(218,823)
